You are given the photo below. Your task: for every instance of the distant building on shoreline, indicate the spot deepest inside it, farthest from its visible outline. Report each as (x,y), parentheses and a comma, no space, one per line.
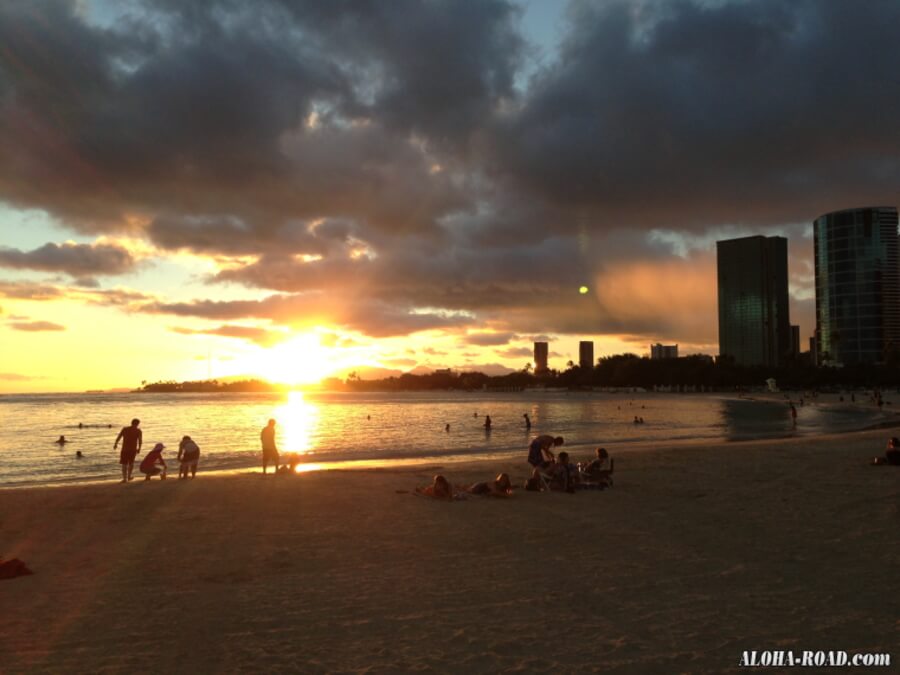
(586,354)
(541,351)
(660,351)
(857,286)
(754,324)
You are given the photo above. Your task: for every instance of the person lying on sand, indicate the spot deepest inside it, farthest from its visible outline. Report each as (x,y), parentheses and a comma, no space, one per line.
(892,456)
(440,488)
(501,486)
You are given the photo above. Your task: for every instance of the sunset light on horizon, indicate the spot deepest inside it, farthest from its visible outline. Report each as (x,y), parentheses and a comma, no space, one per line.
(286,194)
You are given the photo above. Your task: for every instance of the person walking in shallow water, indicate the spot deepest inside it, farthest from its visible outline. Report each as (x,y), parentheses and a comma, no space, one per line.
(131,438)
(269,450)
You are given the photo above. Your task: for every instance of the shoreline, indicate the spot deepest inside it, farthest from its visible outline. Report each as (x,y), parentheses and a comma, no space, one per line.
(503,458)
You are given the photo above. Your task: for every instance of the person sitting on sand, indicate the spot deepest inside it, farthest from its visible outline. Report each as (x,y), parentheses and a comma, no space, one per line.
(149,464)
(501,486)
(269,450)
(439,489)
(188,456)
(892,456)
(539,454)
(564,476)
(61,441)
(132,438)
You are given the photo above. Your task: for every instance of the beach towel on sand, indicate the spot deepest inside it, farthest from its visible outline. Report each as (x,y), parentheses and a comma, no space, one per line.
(9,569)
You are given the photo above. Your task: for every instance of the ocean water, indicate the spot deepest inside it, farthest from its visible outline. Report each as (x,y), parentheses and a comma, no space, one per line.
(377,428)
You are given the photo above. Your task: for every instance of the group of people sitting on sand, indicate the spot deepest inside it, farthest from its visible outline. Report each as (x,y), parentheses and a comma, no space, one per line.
(153,463)
(549,472)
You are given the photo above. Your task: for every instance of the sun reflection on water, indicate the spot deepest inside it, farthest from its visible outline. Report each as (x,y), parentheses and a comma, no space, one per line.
(298,422)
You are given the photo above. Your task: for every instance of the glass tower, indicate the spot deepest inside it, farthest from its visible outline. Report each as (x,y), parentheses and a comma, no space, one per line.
(754,325)
(857,286)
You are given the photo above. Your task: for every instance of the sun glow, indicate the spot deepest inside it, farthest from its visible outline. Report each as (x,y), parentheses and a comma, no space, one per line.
(296,424)
(300,360)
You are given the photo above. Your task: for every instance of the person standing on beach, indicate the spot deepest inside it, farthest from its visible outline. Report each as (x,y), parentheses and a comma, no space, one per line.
(539,453)
(131,438)
(269,450)
(793,415)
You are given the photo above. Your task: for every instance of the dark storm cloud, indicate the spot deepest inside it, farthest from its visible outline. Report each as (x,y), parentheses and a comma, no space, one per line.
(78,260)
(377,162)
(374,319)
(488,339)
(704,113)
(35,326)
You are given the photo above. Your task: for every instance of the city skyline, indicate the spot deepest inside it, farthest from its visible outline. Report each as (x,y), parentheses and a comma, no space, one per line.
(305,189)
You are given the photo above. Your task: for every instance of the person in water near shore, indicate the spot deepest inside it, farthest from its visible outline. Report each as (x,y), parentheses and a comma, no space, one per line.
(527,421)
(269,450)
(132,438)
(487,422)
(501,486)
(188,456)
(793,415)
(149,464)
(539,454)
(892,456)
(78,454)
(61,441)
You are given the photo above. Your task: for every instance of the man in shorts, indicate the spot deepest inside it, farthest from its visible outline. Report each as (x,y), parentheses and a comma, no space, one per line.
(269,450)
(131,438)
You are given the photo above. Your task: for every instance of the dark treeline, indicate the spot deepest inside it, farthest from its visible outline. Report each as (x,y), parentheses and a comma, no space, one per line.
(630,370)
(622,370)
(205,386)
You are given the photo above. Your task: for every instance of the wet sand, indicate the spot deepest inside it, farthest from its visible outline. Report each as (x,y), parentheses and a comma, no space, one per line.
(696,554)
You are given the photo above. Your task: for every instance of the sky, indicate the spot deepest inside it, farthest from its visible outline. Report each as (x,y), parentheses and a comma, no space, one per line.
(295,190)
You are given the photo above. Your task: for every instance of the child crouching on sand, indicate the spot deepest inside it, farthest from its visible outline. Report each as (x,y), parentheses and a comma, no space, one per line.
(149,464)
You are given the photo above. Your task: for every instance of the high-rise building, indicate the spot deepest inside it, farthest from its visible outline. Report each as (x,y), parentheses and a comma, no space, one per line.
(795,341)
(541,351)
(659,351)
(586,354)
(857,286)
(754,326)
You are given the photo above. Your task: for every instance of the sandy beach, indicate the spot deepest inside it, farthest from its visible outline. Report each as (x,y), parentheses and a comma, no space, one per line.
(696,554)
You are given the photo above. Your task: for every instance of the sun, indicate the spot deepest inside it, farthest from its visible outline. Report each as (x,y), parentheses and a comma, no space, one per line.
(299,360)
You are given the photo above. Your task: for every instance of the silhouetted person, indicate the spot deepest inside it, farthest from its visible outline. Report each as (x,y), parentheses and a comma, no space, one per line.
(793,415)
(269,450)
(188,456)
(527,421)
(61,441)
(149,465)
(539,453)
(132,438)
(78,454)
(487,422)
(447,428)
(80,425)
